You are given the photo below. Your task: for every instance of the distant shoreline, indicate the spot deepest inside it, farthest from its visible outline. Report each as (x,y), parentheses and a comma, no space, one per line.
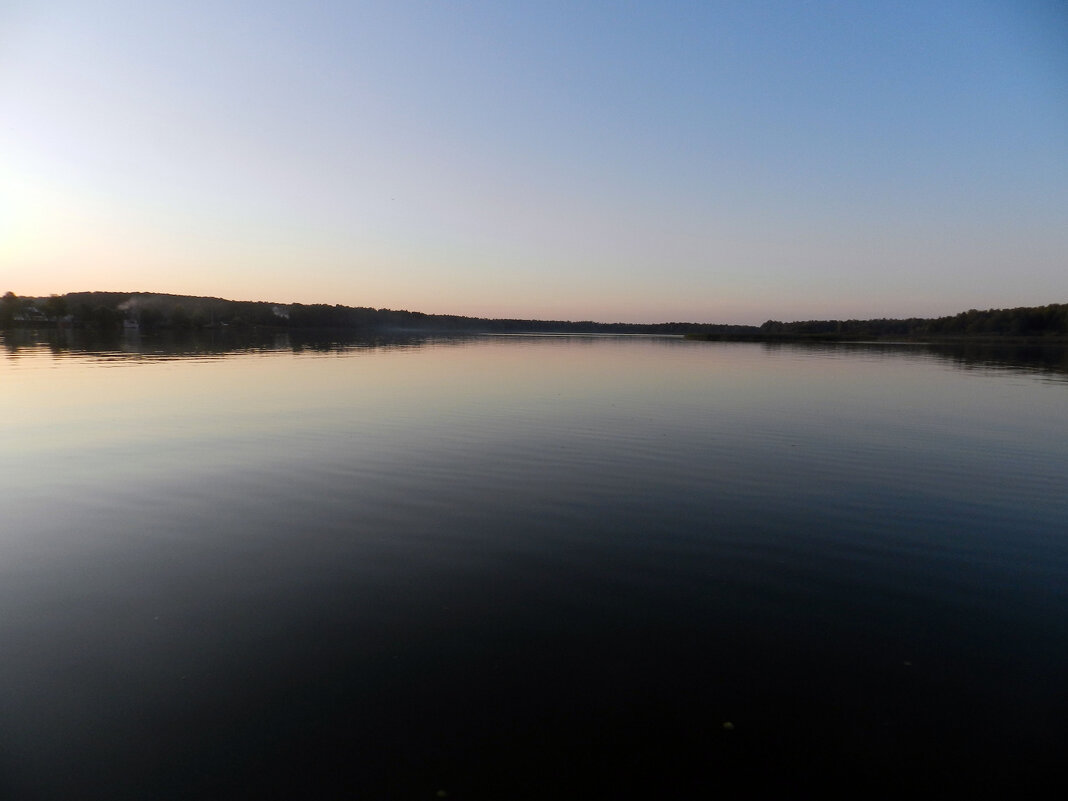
(111,312)
(992,339)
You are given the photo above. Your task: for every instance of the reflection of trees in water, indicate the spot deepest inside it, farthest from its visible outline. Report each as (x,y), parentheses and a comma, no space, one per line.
(207,343)
(1030,357)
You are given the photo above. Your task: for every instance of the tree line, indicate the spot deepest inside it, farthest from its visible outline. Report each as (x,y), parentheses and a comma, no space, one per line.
(148,311)
(111,311)
(1025,321)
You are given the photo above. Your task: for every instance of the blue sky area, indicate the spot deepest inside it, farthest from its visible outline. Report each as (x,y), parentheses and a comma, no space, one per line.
(712,161)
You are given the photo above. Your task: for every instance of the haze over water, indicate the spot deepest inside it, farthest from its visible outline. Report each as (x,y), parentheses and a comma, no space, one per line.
(529,566)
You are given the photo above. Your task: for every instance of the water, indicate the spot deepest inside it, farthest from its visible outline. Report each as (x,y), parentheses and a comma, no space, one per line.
(512,567)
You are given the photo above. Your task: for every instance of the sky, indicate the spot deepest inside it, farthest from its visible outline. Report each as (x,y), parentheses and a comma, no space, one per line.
(710,161)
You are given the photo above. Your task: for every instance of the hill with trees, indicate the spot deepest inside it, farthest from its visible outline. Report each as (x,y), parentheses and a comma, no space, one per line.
(1026,321)
(150,311)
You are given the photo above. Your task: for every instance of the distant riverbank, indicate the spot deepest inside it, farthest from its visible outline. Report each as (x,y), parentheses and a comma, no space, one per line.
(150,312)
(989,339)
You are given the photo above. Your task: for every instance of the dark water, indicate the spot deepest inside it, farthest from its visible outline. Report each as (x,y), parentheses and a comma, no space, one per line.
(530,568)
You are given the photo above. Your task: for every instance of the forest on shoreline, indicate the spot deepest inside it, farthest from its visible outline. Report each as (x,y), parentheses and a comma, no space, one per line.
(107,312)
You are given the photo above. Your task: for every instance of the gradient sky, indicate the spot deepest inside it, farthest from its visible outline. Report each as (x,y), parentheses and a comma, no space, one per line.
(641,161)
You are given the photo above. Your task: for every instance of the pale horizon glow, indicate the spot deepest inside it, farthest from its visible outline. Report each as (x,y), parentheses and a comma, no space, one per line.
(710,161)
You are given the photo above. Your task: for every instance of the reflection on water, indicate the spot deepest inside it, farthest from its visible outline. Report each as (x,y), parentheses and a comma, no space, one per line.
(206,343)
(1046,358)
(509,567)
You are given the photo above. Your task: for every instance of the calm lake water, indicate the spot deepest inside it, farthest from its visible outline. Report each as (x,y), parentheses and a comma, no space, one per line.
(519,567)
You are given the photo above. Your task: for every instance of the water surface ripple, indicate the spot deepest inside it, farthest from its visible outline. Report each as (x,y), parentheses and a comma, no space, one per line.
(509,567)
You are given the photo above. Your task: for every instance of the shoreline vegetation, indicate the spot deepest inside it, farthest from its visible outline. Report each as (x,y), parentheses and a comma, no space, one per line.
(114,312)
